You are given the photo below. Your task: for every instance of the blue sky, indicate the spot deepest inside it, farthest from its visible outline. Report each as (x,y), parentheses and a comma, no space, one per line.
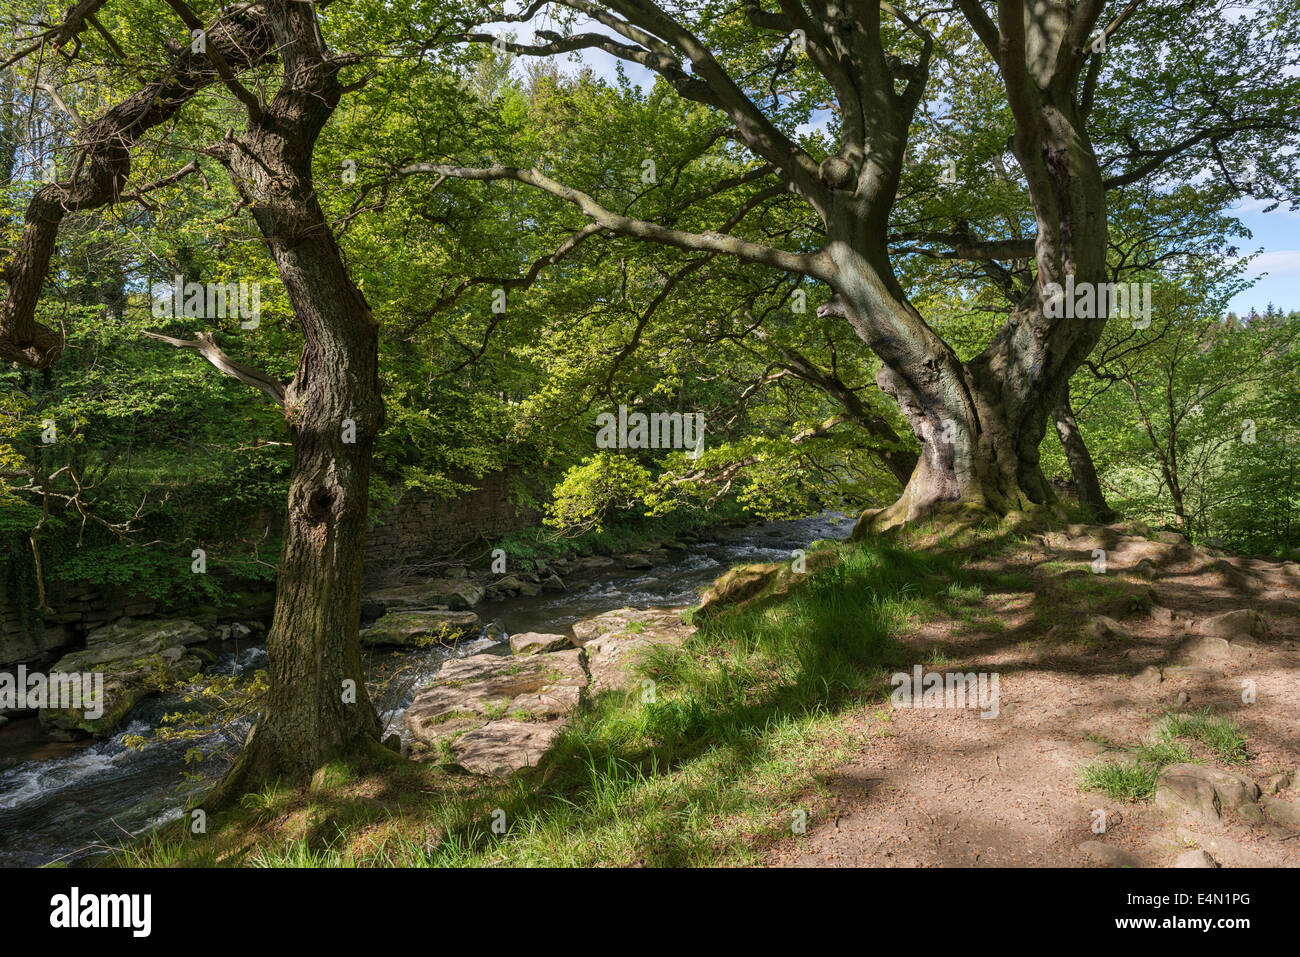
(1278,234)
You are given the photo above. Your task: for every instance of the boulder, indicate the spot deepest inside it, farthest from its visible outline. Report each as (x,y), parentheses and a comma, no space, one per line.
(1276,783)
(1148,677)
(420,629)
(532,642)
(1284,812)
(1164,616)
(1243,623)
(1189,794)
(637,562)
(1101,628)
(1231,788)
(136,659)
(1200,649)
(493,714)
(554,584)
(457,594)
(234,631)
(506,587)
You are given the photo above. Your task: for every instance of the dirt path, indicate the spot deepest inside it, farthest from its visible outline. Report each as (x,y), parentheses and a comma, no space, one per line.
(945,786)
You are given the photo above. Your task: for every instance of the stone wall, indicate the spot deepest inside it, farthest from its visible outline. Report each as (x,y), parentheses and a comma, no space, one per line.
(420,529)
(423,528)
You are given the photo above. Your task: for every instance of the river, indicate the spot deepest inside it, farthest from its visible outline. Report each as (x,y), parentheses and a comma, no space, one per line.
(62,801)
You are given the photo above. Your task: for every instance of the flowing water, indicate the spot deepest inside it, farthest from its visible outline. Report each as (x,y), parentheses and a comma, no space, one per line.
(62,801)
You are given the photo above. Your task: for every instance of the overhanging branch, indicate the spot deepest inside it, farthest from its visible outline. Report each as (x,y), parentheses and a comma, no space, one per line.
(207,347)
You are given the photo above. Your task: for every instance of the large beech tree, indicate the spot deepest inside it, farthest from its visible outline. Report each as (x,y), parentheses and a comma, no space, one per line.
(980,421)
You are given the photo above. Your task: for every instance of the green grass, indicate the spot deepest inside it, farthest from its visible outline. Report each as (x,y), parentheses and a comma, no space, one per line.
(1221,735)
(1135,778)
(1122,782)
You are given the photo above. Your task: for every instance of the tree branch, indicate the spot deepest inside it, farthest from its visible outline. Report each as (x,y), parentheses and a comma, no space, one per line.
(801,263)
(207,347)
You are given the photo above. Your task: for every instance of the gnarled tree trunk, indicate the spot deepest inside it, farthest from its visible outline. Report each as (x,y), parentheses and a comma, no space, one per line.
(980,422)
(317,709)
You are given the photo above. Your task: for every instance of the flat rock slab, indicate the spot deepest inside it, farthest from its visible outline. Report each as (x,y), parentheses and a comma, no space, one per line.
(457,594)
(1204,648)
(501,748)
(154,634)
(136,660)
(1191,673)
(1224,850)
(495,715)
(622,640)
(488,711)
(533,642)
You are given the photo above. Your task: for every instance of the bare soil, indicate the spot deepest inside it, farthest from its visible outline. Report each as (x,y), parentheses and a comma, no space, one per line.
(947,787)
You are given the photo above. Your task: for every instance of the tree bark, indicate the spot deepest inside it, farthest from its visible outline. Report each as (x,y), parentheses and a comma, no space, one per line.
(1082,469)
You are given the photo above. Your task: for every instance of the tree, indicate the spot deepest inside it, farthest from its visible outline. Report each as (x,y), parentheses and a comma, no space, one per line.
(979,421)
(317,708)
(1190,412)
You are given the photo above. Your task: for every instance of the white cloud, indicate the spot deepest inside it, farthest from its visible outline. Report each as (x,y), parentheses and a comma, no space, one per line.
(1283,262)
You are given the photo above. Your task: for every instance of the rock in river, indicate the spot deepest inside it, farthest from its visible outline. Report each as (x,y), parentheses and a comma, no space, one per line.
(137,659)
(419,629)
(455,593)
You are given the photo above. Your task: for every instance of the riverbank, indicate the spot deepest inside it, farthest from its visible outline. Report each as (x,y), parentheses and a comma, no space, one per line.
(60,803)
(770,726)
